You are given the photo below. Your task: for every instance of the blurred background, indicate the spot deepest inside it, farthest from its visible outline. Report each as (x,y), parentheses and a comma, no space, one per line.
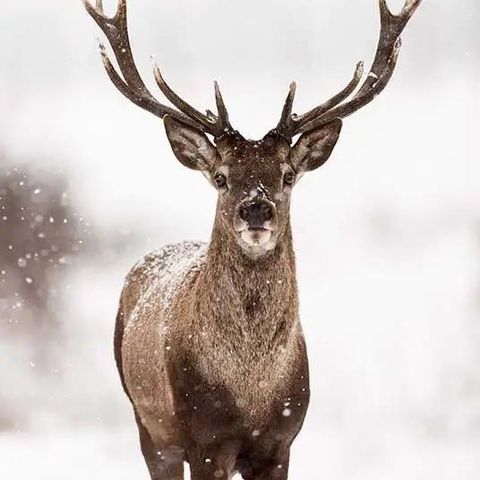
(387,234)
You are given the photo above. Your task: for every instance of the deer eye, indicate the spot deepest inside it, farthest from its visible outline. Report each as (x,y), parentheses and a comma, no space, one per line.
(289,178)
(220,180)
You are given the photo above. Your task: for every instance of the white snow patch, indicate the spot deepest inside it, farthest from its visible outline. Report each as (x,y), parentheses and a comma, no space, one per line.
(168,267)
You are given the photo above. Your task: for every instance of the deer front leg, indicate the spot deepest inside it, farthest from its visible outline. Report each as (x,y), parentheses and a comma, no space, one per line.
(164,462)
(275,468)
(213,464)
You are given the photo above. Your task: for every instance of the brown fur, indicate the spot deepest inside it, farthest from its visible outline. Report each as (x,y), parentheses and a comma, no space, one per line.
(209,344)
(209,347)
(217,372)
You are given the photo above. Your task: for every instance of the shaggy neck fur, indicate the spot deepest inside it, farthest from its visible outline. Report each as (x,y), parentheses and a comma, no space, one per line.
(251,304)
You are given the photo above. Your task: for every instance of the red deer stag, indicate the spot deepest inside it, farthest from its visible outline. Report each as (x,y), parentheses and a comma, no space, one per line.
(208,340)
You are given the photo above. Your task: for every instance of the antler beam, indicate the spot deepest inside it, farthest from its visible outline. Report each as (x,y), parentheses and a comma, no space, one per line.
(131,85)
(380,74)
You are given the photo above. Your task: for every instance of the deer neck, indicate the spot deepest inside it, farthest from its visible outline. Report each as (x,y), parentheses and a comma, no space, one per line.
(243,297)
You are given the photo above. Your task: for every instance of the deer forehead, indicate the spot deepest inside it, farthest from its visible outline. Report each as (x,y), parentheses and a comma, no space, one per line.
(255,177)
(259,151)
(257,163)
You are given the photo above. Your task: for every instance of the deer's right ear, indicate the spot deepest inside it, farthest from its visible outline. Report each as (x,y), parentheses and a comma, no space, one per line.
(190,146)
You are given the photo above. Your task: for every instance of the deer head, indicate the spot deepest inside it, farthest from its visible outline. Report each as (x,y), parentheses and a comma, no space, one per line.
(254,179)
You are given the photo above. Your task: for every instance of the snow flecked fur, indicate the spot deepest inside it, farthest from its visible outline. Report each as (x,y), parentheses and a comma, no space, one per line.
(167,268)
(208,340)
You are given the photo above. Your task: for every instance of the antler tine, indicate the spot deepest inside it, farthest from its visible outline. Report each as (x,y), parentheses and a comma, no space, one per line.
(302,120)
(380,74)
(358,100)
(99,6)
(289,124)
(130,83)
(181,104)
(391,28)
(405,14)
(146,102)
(223,119)
(286,119)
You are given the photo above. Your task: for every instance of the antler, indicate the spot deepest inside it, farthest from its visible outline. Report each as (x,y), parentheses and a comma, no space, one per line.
(131,85)
(380,74)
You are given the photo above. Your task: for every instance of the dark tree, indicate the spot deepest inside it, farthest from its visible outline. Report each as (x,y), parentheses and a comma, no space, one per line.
(40,236)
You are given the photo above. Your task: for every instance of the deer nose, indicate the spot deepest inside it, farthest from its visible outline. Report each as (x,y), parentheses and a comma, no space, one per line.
(256,213)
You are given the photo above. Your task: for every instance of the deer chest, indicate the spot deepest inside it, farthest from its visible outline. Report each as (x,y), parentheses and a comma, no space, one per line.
(236,392)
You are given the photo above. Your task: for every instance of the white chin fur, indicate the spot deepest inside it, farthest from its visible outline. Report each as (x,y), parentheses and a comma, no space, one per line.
(256,244)
(256,238)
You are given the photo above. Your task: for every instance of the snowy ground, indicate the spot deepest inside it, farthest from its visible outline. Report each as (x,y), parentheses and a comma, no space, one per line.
(115,455)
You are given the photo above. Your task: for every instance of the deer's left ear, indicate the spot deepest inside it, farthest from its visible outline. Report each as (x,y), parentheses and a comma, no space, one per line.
(190,146)
(314,148)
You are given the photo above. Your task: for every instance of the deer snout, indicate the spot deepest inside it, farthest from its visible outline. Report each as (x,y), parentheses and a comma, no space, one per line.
(256,214)
(256,223)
